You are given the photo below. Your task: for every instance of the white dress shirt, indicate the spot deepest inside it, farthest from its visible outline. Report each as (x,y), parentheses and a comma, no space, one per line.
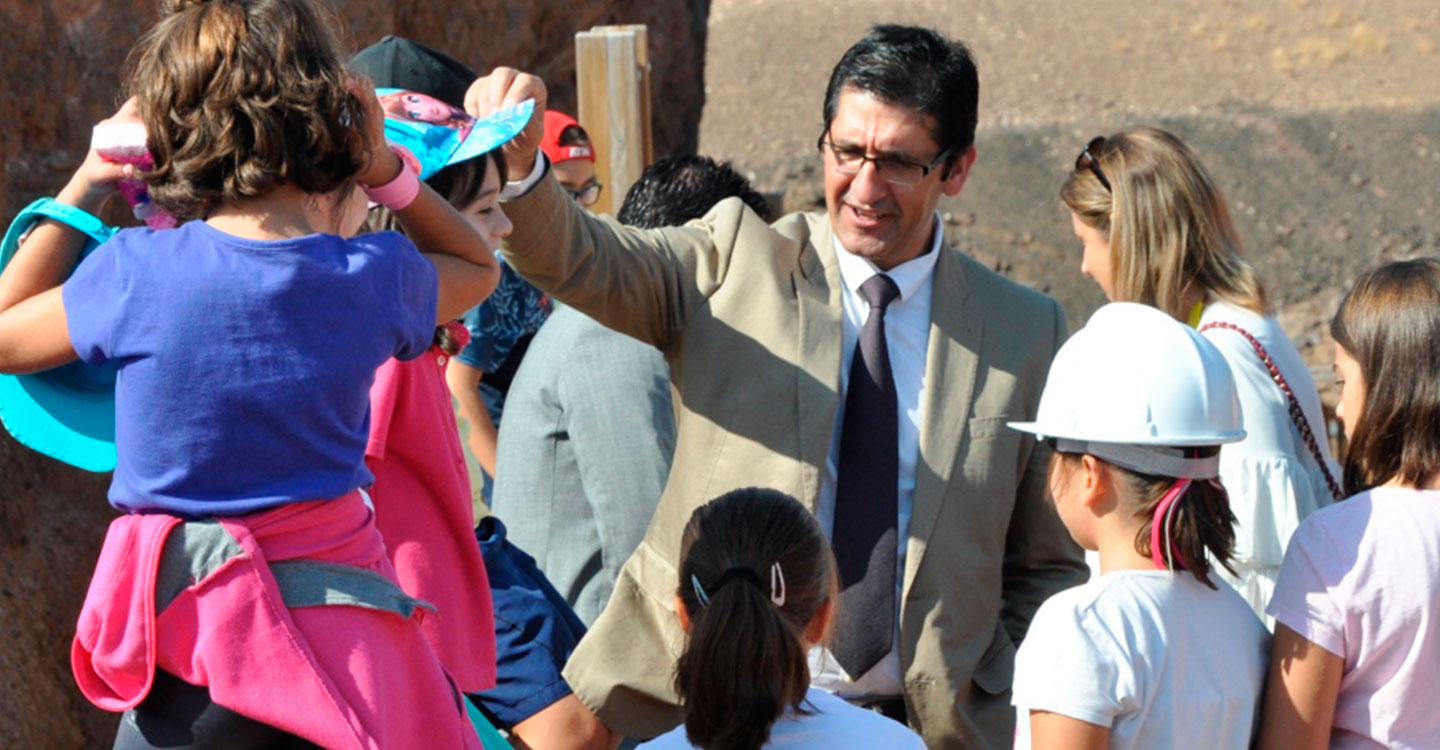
(907,335)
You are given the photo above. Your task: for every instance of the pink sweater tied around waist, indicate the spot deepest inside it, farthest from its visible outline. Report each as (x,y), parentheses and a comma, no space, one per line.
(289,616)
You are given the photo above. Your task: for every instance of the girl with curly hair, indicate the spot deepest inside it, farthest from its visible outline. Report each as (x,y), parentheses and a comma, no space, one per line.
(245,595)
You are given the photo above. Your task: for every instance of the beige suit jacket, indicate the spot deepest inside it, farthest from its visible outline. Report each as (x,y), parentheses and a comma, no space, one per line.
(749,317)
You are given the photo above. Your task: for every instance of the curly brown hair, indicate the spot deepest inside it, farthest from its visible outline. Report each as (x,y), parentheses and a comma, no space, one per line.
(242,96)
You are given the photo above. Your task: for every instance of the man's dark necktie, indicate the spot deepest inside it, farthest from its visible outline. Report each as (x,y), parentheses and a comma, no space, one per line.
(866,494)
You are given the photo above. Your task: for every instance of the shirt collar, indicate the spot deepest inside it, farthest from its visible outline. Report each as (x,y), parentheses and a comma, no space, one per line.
(908,276)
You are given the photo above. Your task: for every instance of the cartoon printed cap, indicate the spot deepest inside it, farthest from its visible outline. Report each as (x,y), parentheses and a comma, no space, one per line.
(439,135)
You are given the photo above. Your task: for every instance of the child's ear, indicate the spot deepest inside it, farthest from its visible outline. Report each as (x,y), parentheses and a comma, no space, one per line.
(1095,481)
(819,627)
(682,614)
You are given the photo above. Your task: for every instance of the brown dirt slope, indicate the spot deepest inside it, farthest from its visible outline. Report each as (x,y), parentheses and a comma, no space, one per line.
(1320,120)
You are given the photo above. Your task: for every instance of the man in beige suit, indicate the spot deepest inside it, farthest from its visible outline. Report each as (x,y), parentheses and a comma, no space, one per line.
(776,341)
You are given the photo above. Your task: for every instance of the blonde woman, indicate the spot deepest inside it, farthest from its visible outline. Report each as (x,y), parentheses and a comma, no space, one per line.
(1156,230)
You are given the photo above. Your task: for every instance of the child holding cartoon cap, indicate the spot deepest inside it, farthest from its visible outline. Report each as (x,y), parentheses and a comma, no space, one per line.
(508,662)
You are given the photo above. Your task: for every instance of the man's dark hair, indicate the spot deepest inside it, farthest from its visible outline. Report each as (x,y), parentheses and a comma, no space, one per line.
(677,189)
(573,135)
(915,68)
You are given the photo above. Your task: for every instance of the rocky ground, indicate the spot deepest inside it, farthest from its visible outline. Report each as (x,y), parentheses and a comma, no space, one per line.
(1320,120)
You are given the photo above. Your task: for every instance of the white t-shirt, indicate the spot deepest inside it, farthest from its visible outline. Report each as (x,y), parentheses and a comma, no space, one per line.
(1160,658)
(832,723)
(1362,580)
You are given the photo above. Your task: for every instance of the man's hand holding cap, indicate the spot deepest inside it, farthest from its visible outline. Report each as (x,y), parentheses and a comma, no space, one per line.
(502,88)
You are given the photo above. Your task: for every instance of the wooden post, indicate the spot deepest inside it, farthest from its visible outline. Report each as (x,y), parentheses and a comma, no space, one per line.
(612,72)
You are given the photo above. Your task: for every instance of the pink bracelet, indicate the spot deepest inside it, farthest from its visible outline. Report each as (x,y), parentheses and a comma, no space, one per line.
(401,191)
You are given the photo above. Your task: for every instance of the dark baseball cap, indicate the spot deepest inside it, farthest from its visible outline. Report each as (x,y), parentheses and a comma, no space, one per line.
(399,63)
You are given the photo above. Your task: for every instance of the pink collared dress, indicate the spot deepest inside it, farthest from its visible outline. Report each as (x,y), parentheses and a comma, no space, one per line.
(422,508)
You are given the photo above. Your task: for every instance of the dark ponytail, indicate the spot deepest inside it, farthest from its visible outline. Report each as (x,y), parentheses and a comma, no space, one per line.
(1201,522)
(745,661)
(1202,526)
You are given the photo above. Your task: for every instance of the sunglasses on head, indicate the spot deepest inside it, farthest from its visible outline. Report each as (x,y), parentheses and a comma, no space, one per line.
(1088,160)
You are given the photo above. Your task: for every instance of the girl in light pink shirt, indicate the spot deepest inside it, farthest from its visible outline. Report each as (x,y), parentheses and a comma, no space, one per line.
(1356,655)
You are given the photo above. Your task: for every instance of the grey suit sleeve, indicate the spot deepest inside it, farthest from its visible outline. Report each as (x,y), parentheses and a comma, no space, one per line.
(1040,556)
(622,432)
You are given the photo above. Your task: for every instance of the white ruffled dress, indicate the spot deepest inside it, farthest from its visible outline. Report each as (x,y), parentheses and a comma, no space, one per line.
(1272,477)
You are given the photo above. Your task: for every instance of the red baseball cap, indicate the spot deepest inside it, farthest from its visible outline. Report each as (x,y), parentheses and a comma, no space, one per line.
(555,124)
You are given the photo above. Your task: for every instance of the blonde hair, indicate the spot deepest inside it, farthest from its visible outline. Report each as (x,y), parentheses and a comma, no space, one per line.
(1168,225)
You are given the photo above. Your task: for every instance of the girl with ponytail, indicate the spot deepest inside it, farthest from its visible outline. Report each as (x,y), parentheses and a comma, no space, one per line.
(757,589)
(1157,651)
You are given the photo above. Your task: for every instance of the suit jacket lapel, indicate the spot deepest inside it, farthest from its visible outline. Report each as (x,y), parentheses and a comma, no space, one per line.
(817,290)
(951,361)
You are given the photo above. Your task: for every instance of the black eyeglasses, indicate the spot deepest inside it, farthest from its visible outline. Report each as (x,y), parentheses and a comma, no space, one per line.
(1088,160)
(896,171)
(587,194)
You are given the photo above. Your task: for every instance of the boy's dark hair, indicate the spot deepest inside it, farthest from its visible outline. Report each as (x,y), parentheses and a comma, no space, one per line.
(745,662)
(680,188)
(915,68)
(1389,322)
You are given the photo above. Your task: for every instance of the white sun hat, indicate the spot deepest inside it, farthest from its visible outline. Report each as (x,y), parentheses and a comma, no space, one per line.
(1133,386)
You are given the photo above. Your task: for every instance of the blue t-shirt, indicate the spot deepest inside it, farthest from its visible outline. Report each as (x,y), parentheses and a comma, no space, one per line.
(514,312)
(245,365)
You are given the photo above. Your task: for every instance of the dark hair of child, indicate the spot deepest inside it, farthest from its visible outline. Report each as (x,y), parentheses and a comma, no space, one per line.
(1389,322)
(1201,522)
(682,187)
(745,660)
(240,97)
(460,185)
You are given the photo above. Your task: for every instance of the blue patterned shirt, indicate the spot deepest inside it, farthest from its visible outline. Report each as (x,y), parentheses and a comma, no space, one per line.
(513,312)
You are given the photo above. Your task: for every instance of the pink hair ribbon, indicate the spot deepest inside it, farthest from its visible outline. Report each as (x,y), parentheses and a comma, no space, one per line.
(1163,514)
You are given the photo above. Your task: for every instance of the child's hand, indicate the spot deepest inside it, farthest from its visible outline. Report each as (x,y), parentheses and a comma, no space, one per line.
(505,87)
(381,164)
(95,179)
(93,182)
